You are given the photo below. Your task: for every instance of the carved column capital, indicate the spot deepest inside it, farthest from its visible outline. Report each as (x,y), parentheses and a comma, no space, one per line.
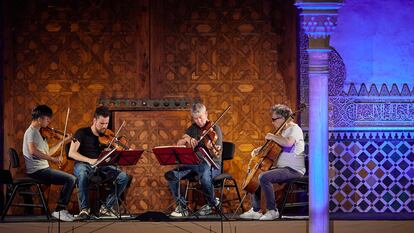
(316,26)
(318,20)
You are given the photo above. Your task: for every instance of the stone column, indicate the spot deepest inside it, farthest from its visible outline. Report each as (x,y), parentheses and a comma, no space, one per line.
(318,19)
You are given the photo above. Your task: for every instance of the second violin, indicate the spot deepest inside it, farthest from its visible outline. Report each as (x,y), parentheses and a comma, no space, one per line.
(109,139)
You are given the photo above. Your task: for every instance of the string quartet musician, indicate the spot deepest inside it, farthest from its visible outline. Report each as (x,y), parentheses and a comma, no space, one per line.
(37,154)
(204,173)
(291,163)
(85,151)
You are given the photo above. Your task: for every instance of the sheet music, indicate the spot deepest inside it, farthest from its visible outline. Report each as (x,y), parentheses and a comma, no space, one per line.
(172,146)
(103,158)
(172,155)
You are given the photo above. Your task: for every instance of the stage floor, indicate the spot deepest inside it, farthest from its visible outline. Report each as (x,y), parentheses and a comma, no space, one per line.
(207,224)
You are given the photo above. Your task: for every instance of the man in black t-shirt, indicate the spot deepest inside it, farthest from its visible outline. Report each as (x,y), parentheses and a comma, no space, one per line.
(85,151)
(205,173)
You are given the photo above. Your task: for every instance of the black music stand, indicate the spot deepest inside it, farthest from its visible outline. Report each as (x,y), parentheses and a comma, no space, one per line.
(176,155)
(126,158)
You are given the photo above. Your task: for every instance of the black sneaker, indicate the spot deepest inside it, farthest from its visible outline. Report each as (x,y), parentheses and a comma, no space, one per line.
(205,210)
(217,207)
(105,212)
(208,208)
(84,215)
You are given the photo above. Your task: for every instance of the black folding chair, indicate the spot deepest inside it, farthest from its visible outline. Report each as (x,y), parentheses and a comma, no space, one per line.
(298,189)
(222,182)
(226,180)
(21,186)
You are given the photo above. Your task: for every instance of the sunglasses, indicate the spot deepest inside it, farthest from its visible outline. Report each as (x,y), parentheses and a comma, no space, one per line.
(277,118)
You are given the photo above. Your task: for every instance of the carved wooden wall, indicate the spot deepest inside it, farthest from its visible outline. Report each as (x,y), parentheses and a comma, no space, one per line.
(70,54)
(227,52)
(73,53)
(146,129)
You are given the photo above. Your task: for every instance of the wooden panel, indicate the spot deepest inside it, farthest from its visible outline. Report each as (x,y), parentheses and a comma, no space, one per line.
(227,52)
(146,129)
(73,53)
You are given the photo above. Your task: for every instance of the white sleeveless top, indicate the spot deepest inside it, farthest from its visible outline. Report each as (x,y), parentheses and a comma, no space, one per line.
(293,157)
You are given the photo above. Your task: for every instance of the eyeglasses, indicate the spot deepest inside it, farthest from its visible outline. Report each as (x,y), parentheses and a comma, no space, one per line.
(277,118)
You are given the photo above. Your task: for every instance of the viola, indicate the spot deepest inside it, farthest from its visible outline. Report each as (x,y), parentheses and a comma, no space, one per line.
(108,139)
(210,137)
(52,133)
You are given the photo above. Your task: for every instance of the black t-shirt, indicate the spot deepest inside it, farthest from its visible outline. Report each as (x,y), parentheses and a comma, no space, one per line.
(89,143)
(195,132)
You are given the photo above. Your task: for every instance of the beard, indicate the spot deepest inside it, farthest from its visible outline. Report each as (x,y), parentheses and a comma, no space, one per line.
(101,132)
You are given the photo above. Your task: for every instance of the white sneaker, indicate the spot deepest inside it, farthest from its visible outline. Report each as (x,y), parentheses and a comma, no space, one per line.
(62,216)
(179,212)
(69,215)
(251,214)
(270,215)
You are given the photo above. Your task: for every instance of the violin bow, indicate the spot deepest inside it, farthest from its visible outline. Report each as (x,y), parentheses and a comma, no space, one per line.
(214,123)
(116,134)
(64,135)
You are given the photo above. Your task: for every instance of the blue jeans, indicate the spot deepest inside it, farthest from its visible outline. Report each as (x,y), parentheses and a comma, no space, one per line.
(83,171)
(52,176)
(267,179)
(202,171)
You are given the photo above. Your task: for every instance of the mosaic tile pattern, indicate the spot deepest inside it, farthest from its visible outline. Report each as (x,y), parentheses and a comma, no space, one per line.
(371,172)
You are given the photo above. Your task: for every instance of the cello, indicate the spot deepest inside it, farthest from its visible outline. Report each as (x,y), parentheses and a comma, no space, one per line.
(267,154)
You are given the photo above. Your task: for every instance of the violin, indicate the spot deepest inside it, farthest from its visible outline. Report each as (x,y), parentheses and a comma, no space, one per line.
(52,133)
(210,136)
(108,139)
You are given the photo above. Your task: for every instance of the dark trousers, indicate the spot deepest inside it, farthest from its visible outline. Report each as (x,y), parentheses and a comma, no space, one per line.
(204,173)
(267,179)
(83,171)
(57,177)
